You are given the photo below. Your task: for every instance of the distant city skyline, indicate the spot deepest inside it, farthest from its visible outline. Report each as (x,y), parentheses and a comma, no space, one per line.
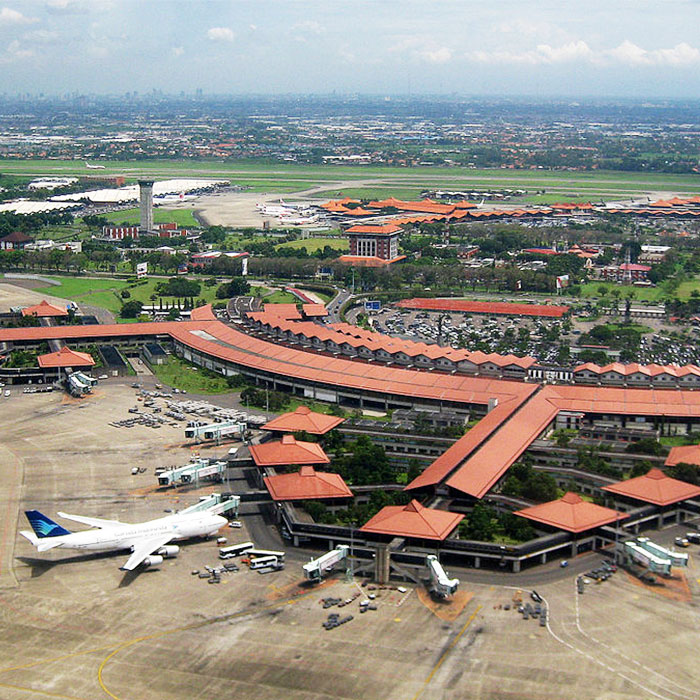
(636,49)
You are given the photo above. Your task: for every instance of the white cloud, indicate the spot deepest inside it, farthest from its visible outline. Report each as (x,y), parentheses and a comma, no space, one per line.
(626,53)
(308,26)
(9,16)
(680,55)
(15,52)
(441,55)
(221,34)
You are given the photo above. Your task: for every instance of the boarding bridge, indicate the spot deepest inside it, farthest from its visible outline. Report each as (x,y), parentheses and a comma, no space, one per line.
(214,431)
(676,558)
(198,469)
(646,558)
(218,504)
(79,384)
(440,584)
(316,569)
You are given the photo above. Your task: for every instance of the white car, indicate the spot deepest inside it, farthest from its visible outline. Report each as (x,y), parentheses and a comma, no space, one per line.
(235,523)
(103,376)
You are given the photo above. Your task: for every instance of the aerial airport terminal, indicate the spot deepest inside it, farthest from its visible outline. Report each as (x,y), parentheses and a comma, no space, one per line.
(169,492)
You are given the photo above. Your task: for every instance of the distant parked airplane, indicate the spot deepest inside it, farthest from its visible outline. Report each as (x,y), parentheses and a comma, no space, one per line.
(147,541)
(94,167)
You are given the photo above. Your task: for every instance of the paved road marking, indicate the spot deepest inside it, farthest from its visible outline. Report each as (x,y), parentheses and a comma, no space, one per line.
(426,682)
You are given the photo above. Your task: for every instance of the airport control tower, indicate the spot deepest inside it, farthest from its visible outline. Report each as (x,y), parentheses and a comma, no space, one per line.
(146,205)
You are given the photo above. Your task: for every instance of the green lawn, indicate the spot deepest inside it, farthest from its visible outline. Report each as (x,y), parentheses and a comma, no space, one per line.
(182,217)
(280,297)
(266,176)
(314,244)
(105,292)
(179,374)
(377,193)
(590,289)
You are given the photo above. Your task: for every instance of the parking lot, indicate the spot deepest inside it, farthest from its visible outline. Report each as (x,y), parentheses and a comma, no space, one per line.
(75,626)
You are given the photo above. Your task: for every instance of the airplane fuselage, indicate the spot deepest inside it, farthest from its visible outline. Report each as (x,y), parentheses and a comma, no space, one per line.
(179,527)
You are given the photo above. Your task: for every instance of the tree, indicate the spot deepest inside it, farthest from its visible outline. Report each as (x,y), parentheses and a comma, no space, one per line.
(131,309)
(125,294)
(684,472)
(645,446)
(480,524)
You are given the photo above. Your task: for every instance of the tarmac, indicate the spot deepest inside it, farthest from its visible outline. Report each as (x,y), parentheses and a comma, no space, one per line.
(74,626)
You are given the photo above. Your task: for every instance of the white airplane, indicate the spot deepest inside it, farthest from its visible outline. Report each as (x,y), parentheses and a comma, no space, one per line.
(94,167)
(147,541)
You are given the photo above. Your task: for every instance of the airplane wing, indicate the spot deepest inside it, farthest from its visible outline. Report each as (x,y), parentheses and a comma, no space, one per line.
(143,549)
(93,522)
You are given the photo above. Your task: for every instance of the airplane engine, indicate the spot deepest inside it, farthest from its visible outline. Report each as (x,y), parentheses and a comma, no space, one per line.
(152,560)
(169,551)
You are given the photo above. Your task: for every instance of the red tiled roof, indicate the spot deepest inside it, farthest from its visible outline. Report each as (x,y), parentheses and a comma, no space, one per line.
(304,419)
(66,357)
(655,487)
(203,313)
(571,513)
(413,520)
(688,454)
(374,228)
(286,311)
(314,310)
(288,450)
(306,484)
(44,309)
(16,237)
(484,307)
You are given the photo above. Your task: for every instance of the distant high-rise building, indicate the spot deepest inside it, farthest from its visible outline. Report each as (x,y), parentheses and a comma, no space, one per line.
(146,205)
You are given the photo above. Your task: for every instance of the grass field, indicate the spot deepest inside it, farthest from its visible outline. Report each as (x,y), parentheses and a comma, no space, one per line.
(105,292)
(280,297)
(406,193)
(179,374)
(182,217)
(584,184)
(314,244)
(590,290)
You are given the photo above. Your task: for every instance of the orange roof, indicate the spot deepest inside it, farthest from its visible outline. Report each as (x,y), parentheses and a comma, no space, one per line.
(688,454)
(413,520)
(484,307)
(306,484)
(43,309)
(655,487)
(372,228)
(203,313)
(490,462)
(571,513)
(314,310)
(304,419)
(287,311)
(359,211)
(288,450)
(66,357)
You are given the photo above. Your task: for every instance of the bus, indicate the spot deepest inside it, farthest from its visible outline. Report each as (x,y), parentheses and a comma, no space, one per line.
(235,550)
(266,562)
(266,553)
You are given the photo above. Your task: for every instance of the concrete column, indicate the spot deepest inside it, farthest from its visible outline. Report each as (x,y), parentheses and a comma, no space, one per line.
(574,549)
(516,566)
(543,558)
(477,562)
(382,561)
(660,521)
(296,540)
(678,516)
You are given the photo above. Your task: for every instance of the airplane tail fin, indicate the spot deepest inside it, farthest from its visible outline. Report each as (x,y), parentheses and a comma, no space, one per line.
(43,526)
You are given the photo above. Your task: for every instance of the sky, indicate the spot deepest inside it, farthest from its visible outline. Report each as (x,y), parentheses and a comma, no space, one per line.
(578,48)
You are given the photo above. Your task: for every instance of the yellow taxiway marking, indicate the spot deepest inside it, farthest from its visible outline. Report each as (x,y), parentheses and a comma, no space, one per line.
(445,653)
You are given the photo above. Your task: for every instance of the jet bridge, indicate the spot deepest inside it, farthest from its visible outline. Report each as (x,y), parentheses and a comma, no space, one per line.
(317,568)
(198,469)
(676,558)
(440,583)
(216,503)
(659,565)
(215,431)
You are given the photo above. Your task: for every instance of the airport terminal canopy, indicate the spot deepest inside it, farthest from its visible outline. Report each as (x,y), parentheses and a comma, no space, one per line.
(304,419)
(307,484)
(43,309)
(288,450)
(655,487)
(66,357)
(687,454)
(314,310)
(413,520)
(285,311)
(571,513)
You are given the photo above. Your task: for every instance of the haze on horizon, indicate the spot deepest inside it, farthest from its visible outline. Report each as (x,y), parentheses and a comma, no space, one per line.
(627,48)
